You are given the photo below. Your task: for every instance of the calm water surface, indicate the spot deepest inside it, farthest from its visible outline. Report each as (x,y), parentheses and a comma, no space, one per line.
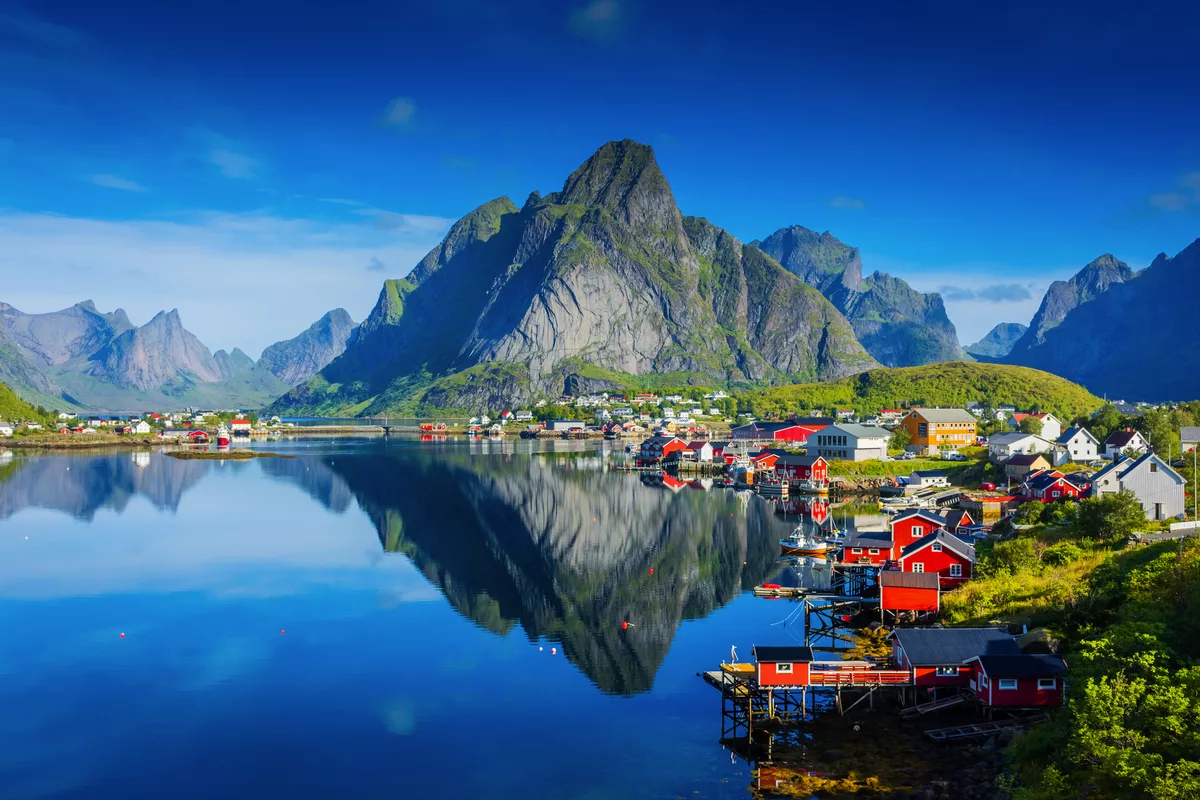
(372,619)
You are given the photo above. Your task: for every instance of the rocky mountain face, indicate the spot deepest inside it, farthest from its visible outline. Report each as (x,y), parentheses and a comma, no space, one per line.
(297,359)
(999,340)
(602,280)
(898,325)
(1063,296)
(1123,337)
(82,357)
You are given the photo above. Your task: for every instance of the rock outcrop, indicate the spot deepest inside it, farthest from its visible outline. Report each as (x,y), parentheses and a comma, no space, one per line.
(297,359)
(1063,296)
(999,340)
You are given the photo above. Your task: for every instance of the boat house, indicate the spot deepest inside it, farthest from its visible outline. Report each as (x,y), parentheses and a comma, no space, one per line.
(936,657)
(909,591)
(1017,681)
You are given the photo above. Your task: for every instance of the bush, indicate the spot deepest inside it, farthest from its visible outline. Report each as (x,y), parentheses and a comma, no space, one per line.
(1029,513)
(1056,555)
(1011,557)
(1062,511)
(1111,517)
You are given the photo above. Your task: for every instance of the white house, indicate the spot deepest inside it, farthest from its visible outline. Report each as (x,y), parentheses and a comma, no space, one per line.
(1051,427)
(1075,444)
(141,426)
(1003,445)
(5,429)
(66,415)
(33,426)
(523,416)
(1125,441)
(1151,480)
(1189,437)
(849,442)
(928,480)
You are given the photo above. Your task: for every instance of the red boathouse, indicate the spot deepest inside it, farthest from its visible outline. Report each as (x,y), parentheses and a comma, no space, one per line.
(937,657)
(782,666)
(1018,681)
(909,591)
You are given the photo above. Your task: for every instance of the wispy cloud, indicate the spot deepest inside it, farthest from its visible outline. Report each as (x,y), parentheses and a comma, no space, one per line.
(393,221)
(232,164)
(996,293)
(1184,196)
(40,31)
(841,201)
(109,181)
(375,265)
(400,114)
(600,21)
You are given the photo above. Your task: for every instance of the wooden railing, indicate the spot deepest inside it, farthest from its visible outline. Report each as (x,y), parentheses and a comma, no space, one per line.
(858,677)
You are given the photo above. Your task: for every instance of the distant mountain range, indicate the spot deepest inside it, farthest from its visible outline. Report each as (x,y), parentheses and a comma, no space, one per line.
(1120,333)
(605,283)
(84,358)
(999,341)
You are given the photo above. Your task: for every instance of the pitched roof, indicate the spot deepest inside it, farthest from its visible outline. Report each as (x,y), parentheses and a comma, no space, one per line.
(790,460)
(1025,665)
(861,431)
(928,473)
(1120,438)
(930,647)
(1189,433)
(880,539)
(908,580)
(1011,437)
(945,414)
(918,512)
(945,539)
(1150,456)
(1045,481)
(954,517)
(1024,459)
(1071,433)
(773,655)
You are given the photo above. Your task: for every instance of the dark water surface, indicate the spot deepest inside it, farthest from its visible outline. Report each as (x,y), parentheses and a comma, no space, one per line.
(372,619)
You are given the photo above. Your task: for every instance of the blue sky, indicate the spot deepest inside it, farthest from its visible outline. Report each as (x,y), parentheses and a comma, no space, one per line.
(153,155)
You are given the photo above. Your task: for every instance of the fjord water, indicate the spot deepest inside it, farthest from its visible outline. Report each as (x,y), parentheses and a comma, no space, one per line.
(372,619)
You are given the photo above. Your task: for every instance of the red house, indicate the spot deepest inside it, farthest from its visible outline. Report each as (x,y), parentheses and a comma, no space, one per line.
(867,547)
(913,525)
(958,519)
(782,666)
(197,436)
(767,458)
(909,591)
(942,553)
(793,430)
(1017,681)
(1049,486)
(718,451)
(813,469)
(936,657)
(656,448)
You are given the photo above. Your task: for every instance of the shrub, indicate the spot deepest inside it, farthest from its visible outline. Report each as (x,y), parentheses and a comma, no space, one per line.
(1029,513)
(1056,555)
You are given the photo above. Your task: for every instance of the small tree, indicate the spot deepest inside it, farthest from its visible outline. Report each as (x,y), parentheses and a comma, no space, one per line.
(1111,517)
(899,439)
(1032,425)
(1029,513)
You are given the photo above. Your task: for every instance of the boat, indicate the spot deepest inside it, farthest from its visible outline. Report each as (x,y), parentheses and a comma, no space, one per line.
(223,438)
(495,430)
(801,544)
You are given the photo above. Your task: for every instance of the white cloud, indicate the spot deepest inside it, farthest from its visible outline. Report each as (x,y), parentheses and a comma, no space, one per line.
(1184,196)
(599,20)
(115,182)
(841,201)
(400,113)
(292,270)
(233,164)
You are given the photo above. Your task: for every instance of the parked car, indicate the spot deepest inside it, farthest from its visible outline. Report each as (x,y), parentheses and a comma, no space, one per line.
(906,456)
(953,455)
(987,486)
(1098,464)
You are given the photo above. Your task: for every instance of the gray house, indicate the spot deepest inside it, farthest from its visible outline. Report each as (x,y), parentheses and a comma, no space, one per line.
(851,442)
(1189,437)
(1151,480)
(1076,444)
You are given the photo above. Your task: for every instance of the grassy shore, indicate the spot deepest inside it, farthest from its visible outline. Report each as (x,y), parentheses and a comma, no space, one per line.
(56,441)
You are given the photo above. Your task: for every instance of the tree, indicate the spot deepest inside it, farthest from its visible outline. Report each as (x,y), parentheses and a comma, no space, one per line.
(1105,421)
(1112,516)
(1031,424)
(1029,513)
(899,439)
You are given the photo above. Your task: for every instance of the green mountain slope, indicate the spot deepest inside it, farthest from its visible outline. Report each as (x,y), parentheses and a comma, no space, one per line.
(14,408)
(606,275)
(947,384)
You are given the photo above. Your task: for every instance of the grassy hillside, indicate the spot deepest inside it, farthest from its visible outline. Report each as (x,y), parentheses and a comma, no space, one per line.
(14,408)
(949,383)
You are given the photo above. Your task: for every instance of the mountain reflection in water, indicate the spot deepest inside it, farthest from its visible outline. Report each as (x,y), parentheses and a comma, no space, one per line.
(551,542)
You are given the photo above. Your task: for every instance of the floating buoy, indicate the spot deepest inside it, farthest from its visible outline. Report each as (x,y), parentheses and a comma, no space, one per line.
(540,649)
(122,634)
(281,633)
(624,625)
(652,570)
(553,651)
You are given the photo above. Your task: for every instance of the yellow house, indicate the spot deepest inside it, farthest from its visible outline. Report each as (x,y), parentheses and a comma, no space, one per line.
(931,429)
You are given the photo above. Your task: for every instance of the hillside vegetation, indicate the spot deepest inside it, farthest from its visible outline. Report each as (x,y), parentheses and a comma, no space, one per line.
(13,407)
(947,384)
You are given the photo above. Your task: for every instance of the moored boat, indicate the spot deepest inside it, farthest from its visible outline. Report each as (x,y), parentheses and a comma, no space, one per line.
(801,544)
(223,438)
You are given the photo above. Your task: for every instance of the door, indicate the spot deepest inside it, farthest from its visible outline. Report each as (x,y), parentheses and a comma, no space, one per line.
(1158,511)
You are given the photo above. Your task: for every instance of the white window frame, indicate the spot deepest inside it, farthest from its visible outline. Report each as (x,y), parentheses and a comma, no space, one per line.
(874,551)
(784,669)
(918,531)
(947,672)
(936,547)
(1047,684)
(1007,684)
(856,551)
(956,570)
(983,681)
(918,567)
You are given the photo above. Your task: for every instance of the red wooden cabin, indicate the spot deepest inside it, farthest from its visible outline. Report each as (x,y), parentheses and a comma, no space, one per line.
(937,657)
(942,553)
(913,525)
(1051,486)
(803,468)
(782,666)
(1018,681)
(958,519)
(908,591)
(867,547)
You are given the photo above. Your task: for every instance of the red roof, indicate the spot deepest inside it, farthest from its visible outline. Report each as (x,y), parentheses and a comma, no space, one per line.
(239,422)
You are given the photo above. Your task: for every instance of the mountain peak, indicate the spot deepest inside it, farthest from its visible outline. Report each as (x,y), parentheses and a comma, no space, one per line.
(87,305)
(623,178)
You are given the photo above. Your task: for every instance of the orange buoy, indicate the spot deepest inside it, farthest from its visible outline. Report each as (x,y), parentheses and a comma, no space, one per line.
(624,625)
(122,634)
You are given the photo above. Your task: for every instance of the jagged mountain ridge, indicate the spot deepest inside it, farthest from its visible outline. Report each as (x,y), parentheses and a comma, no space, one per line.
(1063,296)
(84,358)
(898,325)
(603,279)
(1126,340)
(999,341)
(297,359)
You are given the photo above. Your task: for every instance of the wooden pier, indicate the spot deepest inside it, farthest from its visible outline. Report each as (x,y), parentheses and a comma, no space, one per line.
(961,733)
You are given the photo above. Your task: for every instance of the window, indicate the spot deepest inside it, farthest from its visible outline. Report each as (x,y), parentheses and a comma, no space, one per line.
(956,570)
(873,551)
(1008,684)
(982,679)
(1046,683)
(1153,467)
(784,668)
(948,671)
(856,551)
(918,567)
(918,531)
(937,547)
(1055,493)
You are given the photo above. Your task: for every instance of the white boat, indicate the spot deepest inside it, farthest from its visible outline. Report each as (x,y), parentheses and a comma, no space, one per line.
(801,544)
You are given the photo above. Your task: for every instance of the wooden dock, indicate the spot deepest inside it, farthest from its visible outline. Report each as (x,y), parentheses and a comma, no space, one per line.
(962,733)
(921,709)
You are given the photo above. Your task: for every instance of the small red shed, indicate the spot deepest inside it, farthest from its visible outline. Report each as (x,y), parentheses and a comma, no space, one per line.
(908,591)
(940,553)
(1018,681)
(813,469)
(867,547)
(937,656)
(782,666)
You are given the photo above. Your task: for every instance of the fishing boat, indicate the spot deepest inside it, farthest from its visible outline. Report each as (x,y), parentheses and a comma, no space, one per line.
(223,437)
(801,544)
